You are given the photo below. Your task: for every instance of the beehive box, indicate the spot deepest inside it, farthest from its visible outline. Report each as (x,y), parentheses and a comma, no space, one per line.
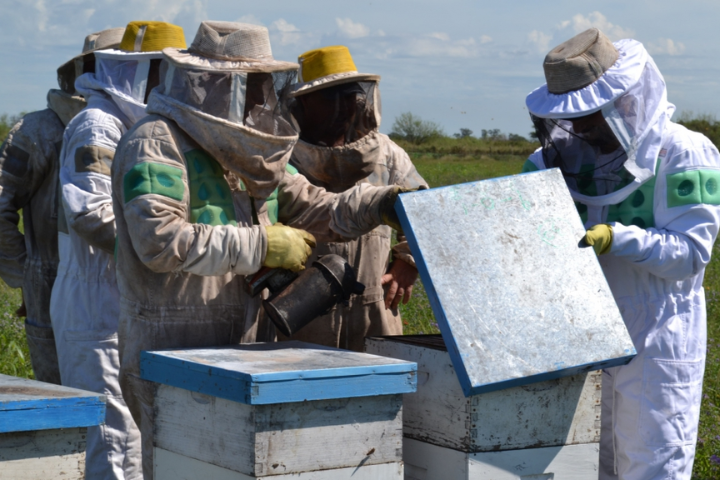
(281,410)
(553,424)
(517,297)
(43,427)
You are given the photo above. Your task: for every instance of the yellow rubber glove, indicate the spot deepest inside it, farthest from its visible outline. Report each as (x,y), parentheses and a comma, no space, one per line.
(600,237)
(287,247)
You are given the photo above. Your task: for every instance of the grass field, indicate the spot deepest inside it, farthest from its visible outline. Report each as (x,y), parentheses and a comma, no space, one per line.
(441,167)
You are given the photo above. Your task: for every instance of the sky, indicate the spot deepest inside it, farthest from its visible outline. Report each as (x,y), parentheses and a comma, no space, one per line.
(459,63)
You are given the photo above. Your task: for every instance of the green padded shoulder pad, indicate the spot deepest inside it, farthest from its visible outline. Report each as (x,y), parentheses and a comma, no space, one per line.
(291,170)
(155,178)
(529,166)
(211,201)
(693,188)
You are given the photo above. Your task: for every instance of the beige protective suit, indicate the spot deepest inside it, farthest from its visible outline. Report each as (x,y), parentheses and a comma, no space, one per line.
(374,160)
(29,181)
(188,232)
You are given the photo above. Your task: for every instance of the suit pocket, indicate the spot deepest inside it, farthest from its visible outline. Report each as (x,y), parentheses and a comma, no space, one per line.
(670,404)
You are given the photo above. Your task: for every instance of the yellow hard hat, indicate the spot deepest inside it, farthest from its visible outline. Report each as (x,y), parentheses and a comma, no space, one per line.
(145,36)
(325,67)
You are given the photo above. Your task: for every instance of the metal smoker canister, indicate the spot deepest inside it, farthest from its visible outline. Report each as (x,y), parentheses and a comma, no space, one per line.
(330,280)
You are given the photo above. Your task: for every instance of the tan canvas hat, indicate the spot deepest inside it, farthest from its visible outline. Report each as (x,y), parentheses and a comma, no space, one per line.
(73,68)
(229,46)
(578,62)
(325,67)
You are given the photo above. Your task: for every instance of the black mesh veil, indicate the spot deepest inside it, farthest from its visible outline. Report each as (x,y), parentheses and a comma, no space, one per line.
(341,113)
(254,99)
(587,169)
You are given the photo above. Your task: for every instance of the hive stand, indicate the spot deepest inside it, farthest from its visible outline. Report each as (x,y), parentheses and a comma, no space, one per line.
(279,410)
(43,428)
(544,430)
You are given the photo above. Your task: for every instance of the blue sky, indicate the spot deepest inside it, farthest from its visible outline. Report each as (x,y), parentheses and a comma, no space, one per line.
(460,63)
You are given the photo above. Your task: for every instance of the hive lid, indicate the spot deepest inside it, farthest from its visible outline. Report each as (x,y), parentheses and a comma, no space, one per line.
(516,297)
(265,373)
(31,405)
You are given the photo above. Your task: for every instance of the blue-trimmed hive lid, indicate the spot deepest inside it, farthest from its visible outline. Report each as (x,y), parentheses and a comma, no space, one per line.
(27,405)
(516,297)
(267,373)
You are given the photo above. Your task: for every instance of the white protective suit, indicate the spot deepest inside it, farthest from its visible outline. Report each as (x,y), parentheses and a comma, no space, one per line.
(29,181)
(85,301)
(664,211)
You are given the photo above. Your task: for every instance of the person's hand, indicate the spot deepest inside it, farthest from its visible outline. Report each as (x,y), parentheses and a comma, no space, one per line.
(388,215)
(22,311)
(287,247)
(401,278)
(600,237)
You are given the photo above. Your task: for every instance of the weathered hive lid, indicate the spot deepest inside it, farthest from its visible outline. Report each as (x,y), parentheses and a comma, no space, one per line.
(517,298)
(31,405)
(266,373)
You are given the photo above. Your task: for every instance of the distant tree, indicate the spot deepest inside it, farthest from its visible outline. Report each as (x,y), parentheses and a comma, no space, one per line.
(705,124)
(513,137)
(412,128)
(493,134)
(533,134)
(464,133)
(6,124)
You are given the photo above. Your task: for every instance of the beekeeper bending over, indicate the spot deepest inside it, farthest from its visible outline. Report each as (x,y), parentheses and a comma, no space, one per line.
(203,195)
(648,191)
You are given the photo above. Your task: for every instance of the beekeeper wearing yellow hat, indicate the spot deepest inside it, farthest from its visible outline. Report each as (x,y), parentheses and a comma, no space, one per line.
(85,299)
(204,195)
(28,182)
(338,112)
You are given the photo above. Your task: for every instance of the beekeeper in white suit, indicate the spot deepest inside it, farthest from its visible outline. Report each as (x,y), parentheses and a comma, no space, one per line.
(648,190)
(85,300)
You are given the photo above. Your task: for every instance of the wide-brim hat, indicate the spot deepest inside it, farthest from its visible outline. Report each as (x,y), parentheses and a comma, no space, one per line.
(326,67)
(102,40)
(229,46)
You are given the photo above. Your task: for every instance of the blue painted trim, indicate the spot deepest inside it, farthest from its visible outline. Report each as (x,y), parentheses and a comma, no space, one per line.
(433,297)
(49,414)
(279,387)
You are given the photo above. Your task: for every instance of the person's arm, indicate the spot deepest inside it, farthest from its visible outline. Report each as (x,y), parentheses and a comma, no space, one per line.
(330,217)
(688,217)
(14,171)
(86,160)
(156,215)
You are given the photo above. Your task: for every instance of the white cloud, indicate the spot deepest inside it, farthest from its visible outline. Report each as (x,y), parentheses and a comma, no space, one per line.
(251,19)
(485,39)
(540,40)
(440,36)
(580,23)
(285,33)
(665,46)
(350,29)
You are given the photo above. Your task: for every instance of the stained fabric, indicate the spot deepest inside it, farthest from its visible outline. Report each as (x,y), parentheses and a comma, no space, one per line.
(30,261)
(85,298)
(651,406)
(346,326)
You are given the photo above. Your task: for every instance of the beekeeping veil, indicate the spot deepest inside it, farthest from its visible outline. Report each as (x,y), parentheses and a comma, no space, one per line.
(338,111)
(129,72)
(589,74)
(227,92)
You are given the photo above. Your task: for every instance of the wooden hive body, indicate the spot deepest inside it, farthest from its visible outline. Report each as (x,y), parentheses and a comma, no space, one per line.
(43,429)
(255,425)
(556,419)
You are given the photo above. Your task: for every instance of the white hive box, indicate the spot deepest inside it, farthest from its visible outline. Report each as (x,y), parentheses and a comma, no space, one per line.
(280,410)
(516,296)
(543,430)
(43,428)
